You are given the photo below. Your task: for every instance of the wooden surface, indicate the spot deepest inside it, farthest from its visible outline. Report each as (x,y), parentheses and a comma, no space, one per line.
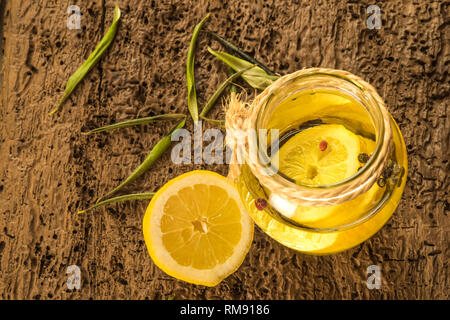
(48,170)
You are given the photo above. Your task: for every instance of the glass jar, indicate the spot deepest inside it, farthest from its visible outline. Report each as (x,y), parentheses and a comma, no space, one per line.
(338,216)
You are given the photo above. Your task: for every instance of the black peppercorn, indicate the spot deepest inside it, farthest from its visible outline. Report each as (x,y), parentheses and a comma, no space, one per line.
(363,157)
(387,172)
(381,182)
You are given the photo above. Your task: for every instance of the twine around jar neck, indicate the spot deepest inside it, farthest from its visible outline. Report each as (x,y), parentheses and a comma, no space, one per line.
(242,116)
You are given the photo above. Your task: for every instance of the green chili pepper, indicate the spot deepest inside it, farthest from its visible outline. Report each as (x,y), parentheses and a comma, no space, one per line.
(135,122)
(134,196)
(192,95)
(154,154)
(91,61)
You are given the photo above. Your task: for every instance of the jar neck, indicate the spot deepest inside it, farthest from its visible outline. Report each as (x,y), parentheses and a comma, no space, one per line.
(347,85)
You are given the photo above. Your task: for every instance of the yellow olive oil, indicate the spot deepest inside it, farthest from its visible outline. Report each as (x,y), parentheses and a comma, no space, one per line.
(301,118)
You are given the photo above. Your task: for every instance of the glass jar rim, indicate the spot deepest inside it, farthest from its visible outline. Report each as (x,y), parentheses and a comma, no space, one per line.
(324,195)
(379,130)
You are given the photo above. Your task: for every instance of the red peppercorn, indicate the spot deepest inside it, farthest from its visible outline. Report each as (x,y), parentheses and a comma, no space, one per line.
(323,145)
(260,204)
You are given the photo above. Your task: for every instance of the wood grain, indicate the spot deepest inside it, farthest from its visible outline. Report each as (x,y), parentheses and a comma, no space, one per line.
(48,170)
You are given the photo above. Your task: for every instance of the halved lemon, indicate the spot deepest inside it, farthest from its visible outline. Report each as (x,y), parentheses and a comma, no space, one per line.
(302,159)
(196,228)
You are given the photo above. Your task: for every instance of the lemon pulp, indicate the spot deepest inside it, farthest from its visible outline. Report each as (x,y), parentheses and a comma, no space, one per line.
(197,229)
(302,159)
